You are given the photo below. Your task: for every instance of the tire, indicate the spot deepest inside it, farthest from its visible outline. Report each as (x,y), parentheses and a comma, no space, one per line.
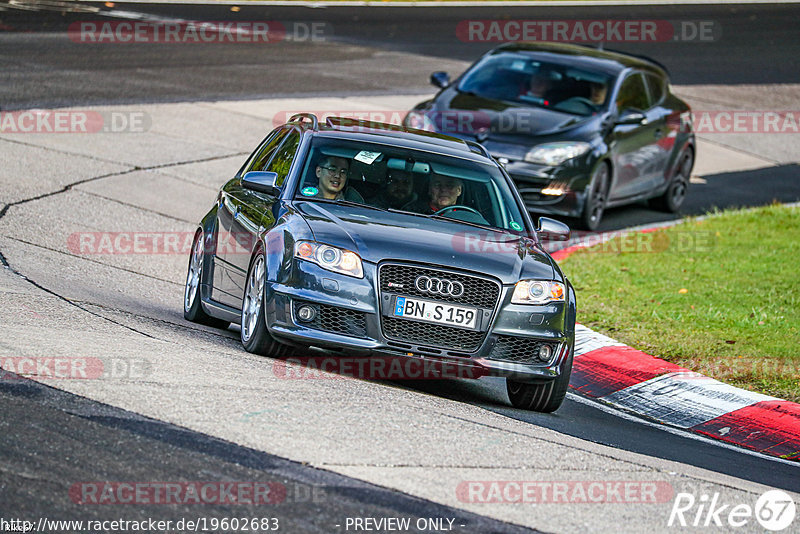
(596,199)
(672,199)
(254,335)
(545,397)
(192,306)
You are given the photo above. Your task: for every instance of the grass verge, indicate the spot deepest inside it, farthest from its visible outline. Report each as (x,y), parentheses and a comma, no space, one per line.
(719,296)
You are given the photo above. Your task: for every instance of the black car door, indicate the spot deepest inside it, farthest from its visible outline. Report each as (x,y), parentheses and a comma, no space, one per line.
(234,240)
(666,132)
(633,145)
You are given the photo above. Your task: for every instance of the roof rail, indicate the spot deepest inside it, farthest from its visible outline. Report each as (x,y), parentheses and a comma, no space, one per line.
(310,116)
(480,147)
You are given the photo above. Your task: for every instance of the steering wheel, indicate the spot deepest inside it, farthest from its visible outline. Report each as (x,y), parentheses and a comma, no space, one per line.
(580,100)
(459,207)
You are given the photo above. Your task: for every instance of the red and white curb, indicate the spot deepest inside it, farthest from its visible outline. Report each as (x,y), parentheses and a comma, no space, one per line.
(636,382)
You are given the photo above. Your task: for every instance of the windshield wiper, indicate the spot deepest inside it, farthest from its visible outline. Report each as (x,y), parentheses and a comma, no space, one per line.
(344,202)
(469,223)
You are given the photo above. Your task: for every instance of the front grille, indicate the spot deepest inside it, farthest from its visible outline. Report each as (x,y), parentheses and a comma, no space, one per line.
(334,319)
(435,335)
(479,292)
(519,349)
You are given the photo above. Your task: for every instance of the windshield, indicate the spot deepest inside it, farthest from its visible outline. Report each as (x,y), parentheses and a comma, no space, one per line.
(520,79)
(420,183)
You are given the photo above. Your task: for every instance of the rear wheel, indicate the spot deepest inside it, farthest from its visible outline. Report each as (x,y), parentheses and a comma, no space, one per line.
(672,199)
(255,336)
(595,198)
(544,397)
(192,307)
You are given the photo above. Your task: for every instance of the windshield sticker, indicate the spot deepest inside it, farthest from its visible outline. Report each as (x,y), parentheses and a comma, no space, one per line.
(309,191)
(367,157)
(516,226)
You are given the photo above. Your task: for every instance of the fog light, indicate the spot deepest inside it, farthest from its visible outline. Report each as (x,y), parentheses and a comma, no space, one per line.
(545,352)
(552,191)
(306,313)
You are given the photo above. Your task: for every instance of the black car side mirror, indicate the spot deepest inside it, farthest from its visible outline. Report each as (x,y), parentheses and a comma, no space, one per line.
(261,181)
(631,117)
(552,230)
(440,79)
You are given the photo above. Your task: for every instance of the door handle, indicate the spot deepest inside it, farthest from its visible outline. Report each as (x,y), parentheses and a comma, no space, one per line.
(658,131)
(236,212)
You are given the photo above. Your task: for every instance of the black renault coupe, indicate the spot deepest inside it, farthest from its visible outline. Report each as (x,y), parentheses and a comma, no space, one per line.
(579,129)
(306,246)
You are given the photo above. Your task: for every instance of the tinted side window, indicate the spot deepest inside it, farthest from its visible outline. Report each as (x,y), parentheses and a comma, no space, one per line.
(265,152)
(633,94)
(284,156)
(658,87)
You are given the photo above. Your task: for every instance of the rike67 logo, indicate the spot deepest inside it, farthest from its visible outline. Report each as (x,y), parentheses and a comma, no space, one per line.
(774,511)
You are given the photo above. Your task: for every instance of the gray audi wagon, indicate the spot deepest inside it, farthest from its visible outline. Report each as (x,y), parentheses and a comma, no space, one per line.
(374,239)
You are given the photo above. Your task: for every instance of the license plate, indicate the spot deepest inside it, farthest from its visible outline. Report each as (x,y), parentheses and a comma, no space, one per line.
(435,312)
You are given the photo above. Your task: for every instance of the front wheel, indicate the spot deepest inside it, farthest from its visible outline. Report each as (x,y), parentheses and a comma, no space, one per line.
(255,336)
(595,198)
(544,397)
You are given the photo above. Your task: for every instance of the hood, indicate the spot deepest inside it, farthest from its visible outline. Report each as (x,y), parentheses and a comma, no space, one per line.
(380,235)
(466,114)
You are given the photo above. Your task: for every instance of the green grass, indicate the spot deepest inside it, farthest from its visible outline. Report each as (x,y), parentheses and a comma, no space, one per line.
(719,296)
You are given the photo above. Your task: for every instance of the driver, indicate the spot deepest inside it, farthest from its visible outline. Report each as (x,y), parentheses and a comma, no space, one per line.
(443,192)
(599,91)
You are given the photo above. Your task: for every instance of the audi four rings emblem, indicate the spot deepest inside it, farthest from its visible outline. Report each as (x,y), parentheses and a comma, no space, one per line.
(439,286)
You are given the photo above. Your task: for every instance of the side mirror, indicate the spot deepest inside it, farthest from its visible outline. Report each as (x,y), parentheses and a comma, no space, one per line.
(440,79)
(263,182)
(552,230)
(631,117)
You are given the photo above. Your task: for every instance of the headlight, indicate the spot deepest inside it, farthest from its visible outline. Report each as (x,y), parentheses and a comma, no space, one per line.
(553,154)
(330,258)
(420,121)
(537,292)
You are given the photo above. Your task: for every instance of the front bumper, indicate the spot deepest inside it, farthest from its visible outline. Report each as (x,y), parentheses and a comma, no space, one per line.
(350,315)
(531,180)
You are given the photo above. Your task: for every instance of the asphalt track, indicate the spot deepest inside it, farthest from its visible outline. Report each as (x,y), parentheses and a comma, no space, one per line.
(192,418)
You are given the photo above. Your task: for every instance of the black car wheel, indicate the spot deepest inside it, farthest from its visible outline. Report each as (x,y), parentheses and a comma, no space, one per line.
(255,336)
(595,198)
(192,307)
(543,397)
(672,199)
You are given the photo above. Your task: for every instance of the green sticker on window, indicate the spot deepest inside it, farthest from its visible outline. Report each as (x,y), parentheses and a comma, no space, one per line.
(516,226)
(309,191)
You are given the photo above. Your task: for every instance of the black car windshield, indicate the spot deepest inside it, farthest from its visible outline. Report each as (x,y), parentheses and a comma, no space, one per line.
(418,182)
(518,78)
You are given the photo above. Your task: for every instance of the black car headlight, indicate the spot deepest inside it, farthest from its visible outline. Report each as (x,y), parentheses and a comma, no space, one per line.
(537,292)
(552,154)
(331,258)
